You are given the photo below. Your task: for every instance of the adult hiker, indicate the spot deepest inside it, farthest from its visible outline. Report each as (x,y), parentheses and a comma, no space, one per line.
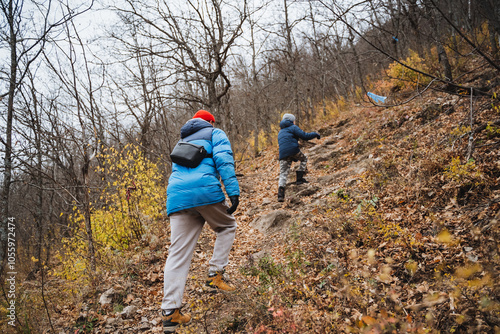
(289,152)
(195,196)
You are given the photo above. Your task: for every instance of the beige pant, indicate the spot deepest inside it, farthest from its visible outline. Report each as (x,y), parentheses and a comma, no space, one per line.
(185,228)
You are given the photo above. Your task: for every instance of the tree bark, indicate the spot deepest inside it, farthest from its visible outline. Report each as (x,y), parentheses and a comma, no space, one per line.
(291,70)
(445,62)
(7,173)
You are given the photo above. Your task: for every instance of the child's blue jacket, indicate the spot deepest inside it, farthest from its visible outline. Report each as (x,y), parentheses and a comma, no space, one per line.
(288,138)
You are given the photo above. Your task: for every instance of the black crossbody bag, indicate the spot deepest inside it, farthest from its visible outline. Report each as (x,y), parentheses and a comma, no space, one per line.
(188,154)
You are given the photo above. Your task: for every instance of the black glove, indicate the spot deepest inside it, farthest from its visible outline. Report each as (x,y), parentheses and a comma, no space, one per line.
(235,200)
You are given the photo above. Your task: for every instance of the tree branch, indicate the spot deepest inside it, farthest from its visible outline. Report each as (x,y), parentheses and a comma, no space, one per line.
(491,62)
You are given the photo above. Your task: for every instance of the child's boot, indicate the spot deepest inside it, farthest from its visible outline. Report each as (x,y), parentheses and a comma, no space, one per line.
(300,178)
(281,194)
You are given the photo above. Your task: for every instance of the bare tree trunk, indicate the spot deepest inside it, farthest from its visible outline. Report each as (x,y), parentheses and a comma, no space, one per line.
(493,40)
(357,61)
(256,139)
(38,176)
(413,15)
(46,306)
(319,53)
(490,9)
(437,25)
(7,173)
(256,85)
(87,156)
(397,26)
(291,68)
(88,219)
(445,62)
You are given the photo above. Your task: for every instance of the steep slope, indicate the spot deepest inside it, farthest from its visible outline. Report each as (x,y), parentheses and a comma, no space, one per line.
(396,231)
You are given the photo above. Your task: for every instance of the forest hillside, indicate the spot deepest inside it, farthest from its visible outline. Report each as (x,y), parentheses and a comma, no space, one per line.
(397,231)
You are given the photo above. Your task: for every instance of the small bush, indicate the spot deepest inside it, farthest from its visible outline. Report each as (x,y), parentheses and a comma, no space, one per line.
(409,79)
(132,199)
(463,173)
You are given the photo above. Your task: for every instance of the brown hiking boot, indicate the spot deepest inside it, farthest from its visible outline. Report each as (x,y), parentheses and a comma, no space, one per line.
(215,282)
(174,319)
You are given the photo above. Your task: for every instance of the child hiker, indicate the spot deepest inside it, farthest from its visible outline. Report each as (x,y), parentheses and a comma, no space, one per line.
(288,140)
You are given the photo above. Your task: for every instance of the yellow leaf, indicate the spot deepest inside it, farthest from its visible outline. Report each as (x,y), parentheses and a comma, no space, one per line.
(445,237)
(411,266)
(368,320)
(465,272)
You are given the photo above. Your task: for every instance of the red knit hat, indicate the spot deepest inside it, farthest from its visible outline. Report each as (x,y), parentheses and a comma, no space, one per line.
(203,114)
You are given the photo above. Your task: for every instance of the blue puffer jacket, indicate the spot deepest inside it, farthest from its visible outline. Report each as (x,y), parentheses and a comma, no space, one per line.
(192,187)
(288,138)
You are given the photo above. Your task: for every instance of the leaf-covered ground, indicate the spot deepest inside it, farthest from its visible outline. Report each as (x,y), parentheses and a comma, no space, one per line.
(395,232)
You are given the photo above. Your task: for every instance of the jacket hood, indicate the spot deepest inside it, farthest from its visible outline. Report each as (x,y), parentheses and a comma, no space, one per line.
(285,123)
(194,125)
